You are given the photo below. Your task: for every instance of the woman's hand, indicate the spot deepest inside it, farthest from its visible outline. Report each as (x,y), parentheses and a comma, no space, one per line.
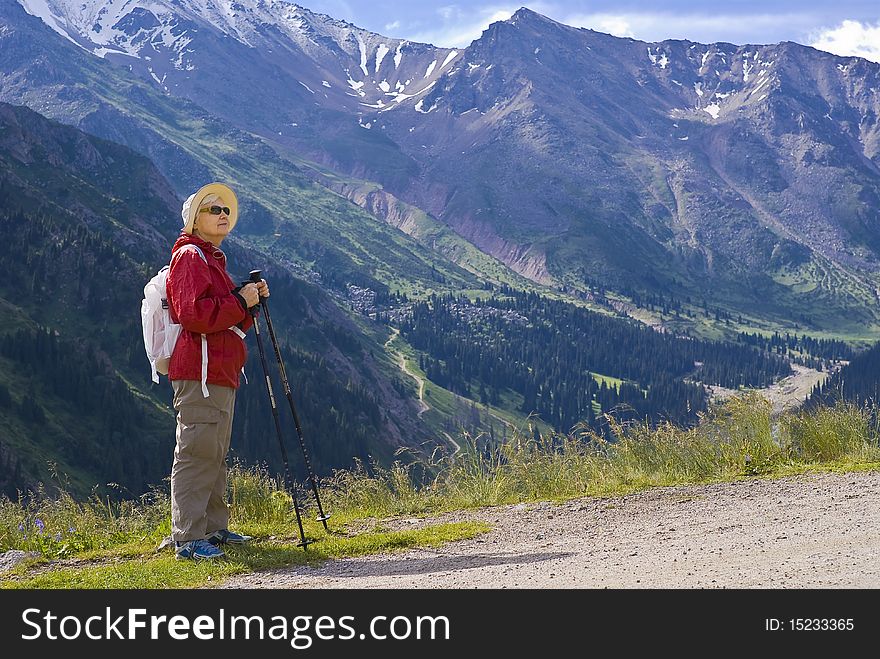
(263,288)
(251,294)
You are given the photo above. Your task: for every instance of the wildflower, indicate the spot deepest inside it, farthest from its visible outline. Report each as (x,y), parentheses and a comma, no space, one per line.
(40,526)
(71,530)
(21,527)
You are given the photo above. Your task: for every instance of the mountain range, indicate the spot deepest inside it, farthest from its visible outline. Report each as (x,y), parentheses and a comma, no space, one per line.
(742,175)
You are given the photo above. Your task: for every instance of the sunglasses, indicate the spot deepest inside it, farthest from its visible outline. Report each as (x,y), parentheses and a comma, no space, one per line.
(215,210)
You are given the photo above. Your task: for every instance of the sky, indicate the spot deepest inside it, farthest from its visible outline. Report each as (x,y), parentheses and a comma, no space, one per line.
(843,27)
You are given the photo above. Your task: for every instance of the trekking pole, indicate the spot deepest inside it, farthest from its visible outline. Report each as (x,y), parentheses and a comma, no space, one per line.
(288,480)
(322,517)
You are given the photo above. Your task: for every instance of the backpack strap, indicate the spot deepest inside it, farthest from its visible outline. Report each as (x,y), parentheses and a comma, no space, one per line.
(205,366)
(241,334)
(204,337)
(195,247)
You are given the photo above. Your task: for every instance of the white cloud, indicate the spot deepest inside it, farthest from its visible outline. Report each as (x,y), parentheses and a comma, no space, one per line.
(450,12)
(392,26)
(616,25)
(850,38)
(703,28)
(459,27)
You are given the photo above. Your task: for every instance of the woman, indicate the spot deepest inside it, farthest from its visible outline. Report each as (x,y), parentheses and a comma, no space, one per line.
(204,371)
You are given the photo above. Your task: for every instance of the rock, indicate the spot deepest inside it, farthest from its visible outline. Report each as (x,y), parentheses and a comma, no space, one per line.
(9,559)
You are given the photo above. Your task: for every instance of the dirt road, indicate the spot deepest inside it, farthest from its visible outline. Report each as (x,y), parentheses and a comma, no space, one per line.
(786,394)
(812,531)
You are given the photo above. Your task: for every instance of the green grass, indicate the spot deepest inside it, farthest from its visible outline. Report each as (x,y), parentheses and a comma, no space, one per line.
(608,380)
(102,544)
(858,334)
(98,543)
(152,570)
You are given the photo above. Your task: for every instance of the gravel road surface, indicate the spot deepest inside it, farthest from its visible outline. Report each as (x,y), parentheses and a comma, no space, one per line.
(809,531)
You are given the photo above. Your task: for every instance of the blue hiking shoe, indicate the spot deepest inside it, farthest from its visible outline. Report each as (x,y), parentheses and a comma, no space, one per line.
(227,537)
(200,550)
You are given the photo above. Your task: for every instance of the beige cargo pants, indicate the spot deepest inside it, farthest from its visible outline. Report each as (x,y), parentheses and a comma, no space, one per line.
(198,474)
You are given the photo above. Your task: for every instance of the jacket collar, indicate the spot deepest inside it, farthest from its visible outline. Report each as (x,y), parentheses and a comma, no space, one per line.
(209,249)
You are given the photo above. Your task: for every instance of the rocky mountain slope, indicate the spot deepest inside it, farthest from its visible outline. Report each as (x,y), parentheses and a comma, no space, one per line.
(744,175)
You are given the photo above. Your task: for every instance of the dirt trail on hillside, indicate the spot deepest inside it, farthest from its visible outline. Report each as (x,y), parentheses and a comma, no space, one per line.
(401,363)
(810,531)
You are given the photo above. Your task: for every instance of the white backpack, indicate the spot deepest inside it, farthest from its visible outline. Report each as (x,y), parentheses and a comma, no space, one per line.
(160,334)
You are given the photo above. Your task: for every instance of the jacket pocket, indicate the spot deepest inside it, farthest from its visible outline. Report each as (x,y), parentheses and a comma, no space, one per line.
(236,349)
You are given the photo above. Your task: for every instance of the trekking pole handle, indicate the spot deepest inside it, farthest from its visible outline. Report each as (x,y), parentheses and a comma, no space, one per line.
(255,277)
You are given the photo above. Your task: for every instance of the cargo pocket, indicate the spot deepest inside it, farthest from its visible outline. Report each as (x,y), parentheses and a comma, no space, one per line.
(197,427)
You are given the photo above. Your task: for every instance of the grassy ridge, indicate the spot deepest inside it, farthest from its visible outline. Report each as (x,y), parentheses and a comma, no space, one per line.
(99,543)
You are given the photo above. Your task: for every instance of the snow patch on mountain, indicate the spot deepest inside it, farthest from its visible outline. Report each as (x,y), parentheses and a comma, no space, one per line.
(363,50)
(126,27)
(41,10)
(420,105)
(381,51)
(706,56)
(660,58)
(356,85)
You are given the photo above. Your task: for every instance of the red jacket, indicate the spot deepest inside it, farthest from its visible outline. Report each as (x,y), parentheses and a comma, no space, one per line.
(200,299)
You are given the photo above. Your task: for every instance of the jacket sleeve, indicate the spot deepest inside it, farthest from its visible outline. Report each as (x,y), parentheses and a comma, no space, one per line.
(189,288)
(247,323)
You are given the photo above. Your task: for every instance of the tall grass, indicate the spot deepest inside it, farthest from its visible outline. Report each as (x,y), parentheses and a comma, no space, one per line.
(55,525)
(843,431)
(738,439)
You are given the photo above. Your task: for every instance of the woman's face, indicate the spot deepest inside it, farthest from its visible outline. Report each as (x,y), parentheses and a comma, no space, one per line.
(210,226)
